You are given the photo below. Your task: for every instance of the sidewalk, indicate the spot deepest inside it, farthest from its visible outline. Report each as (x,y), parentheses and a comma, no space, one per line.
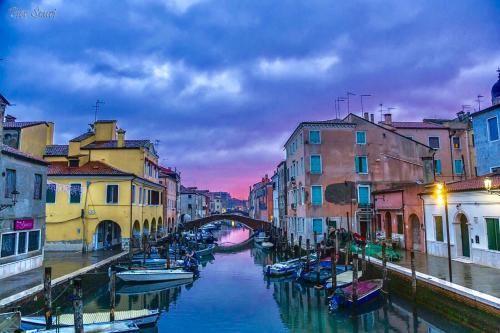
(62,263)
(481,278)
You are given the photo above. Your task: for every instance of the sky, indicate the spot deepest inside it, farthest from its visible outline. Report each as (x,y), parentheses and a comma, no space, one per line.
(222,84)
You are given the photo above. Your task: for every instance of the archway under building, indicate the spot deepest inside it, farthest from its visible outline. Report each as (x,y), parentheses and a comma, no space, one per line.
(107,235)
(153,228)
(161,228)
(145,228)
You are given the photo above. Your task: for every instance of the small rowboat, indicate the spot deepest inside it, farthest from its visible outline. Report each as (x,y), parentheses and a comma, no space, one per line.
(367,290)
(287,267)
(154,275)
(141,318)
(110,327)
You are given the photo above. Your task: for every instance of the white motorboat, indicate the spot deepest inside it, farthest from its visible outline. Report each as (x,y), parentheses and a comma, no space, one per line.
(154,275)
(109,327)
(142,318)
(287,267)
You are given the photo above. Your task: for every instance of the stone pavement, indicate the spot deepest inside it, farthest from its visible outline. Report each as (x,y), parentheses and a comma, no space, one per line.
(476,277)
(62,263)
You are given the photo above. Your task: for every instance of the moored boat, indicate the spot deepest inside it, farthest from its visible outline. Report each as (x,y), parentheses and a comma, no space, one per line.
(142,318)
(343,279)
(264,245)
(367,290)
(287,267)
(108,327)
(208,250)
(261,237)
(153,275)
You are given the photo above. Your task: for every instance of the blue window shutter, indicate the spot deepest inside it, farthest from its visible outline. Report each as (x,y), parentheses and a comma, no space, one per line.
(364,161)
(493,128)
(318,226)
(437,166)
(356,163)
(458,167)
(316,195)
(315,164)
(364,195)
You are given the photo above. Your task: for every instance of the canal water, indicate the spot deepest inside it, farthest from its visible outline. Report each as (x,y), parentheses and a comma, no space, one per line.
(232,295)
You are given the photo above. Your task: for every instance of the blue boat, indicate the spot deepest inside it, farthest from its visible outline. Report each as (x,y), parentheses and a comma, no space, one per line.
(367,291)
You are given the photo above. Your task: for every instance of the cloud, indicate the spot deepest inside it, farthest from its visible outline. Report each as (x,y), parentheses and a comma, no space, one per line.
(313,67)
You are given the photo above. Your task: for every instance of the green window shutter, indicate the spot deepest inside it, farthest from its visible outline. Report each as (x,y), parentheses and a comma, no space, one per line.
(51,193)
(361,138)
(438,220)
(493,231)
(75,193)
(315,164)
(458,167)
(314,137)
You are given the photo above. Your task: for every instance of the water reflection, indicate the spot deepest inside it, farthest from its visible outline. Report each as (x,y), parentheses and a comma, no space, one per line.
(232,295)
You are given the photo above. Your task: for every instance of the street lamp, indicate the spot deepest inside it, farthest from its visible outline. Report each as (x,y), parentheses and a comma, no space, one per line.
(441,193)
(14,195)
(488,183)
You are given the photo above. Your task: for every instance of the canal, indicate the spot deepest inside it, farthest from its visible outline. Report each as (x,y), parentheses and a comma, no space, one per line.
(232,295)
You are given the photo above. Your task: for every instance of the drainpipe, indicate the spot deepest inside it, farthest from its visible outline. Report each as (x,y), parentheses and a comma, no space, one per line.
(131,219)
(404,220)
(425,224)
(450,135)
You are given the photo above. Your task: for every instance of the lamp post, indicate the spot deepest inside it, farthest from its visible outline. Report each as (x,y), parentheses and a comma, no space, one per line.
(488,184)
(442,197)
(14,201)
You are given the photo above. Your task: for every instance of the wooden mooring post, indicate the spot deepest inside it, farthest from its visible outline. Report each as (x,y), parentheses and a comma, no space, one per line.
(318,259)
(323,249)
(413,275)
(354,281)
(167,246)
(112,296)
(363,259)
(292,244)
(47,292)
(384,268)
(347,246)
(300,247)
(78,305)
(334,266)
(308,263)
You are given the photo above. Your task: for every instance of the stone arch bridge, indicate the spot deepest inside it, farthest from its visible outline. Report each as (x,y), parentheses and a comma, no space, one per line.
(248,221)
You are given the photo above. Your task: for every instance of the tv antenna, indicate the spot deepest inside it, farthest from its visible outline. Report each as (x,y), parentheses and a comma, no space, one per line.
(361,98)
(478,100)
(349,94)
(381,110)
(339,99)
(96,108)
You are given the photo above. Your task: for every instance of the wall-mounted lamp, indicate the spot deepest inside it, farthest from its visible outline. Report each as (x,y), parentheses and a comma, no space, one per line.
(488,185)
(14,195)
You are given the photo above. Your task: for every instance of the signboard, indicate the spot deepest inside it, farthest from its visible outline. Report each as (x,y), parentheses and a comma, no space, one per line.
(25,224)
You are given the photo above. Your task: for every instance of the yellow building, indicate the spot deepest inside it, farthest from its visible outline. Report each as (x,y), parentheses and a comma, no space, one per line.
(102,191)
(28,136)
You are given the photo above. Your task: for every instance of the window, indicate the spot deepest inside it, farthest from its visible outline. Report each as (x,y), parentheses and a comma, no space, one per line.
(459,168)
(317,195)
(493,231)
(302,165)
(133,194)
(301,138)
(21,243)
(51,193)
(314,137)
(75,193)
(301,224)
(318,226)
(456,142)
(316,164)
(361,138)
(10,182)
(34,240)
(144,196)
(112,194)
(493,129)
(155,197)
(363,194)
(434,142)
(437,167)
(140,196)
(8,245)
(361,164)
(438,225)
(74,163)
(37,187)
(399,219)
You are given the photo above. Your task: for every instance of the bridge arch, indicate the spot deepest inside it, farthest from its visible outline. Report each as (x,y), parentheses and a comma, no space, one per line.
(248,221)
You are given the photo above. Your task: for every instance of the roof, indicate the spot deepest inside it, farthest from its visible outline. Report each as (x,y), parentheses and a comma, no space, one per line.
(332,123)
(21,155)
(488,109)
(105,121)
(22,124)
(473,184)
(92,168)
(4,100)
(114,144)
(416,125)
(56,150)
(82,137)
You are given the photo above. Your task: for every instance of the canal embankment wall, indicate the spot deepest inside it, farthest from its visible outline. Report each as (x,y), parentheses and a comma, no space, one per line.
(477,311)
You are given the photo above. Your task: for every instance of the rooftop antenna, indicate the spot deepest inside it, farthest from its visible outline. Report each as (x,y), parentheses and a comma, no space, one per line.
(349,94)
(465,106)
(361,97)
(96,108)
(478,100)
(381,111)
(339,99)
(389,109)
(156,144)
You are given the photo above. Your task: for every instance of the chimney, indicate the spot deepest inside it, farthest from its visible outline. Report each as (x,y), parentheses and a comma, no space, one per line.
(121,138)
(366,115)
(372,117)
(388,119)
(10,118)
(105,130)
(50,133)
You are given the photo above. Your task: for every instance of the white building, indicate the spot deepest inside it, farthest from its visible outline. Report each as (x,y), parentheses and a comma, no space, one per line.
(474,221)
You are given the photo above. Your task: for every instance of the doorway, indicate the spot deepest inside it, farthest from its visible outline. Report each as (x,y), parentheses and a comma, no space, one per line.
(464,232)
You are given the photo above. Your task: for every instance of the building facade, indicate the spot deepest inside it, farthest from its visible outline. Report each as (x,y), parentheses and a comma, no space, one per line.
(474,222)
(170,179)
(194,204)
(276,214)
(260,200)
(103,191)
(22,208)
(333,166)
